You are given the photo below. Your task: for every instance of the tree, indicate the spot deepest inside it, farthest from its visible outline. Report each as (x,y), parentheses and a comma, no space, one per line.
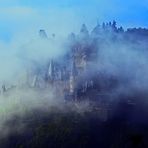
(103,25)
(120,29)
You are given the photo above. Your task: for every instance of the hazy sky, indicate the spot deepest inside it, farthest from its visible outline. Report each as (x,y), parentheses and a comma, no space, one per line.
(17,16)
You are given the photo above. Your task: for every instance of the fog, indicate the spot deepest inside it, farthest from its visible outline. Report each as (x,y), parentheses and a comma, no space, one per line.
(17,58)
(122,59)
(127,61)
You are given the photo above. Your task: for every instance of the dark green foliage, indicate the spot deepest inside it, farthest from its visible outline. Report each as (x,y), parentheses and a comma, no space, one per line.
(64,129)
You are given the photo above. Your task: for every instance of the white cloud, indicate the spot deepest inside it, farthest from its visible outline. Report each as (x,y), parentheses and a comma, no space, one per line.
(14,13)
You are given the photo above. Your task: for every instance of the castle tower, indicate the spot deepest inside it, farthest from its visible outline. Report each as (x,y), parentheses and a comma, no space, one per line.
(72,81)
(43,34)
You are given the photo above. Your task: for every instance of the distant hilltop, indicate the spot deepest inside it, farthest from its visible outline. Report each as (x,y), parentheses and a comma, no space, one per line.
(104,29)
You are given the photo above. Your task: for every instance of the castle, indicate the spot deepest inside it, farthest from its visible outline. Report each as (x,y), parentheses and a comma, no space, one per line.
(71,75)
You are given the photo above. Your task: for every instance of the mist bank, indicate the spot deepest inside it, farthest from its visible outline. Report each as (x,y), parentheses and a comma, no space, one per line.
(115,62)
(116,59)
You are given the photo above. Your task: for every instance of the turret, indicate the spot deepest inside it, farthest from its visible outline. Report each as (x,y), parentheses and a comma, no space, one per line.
(43,34)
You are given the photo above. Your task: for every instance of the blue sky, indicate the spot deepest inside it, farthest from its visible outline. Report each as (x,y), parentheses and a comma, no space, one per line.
(62,16)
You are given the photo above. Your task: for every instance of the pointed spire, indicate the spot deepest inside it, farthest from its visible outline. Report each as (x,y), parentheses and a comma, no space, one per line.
(50,70)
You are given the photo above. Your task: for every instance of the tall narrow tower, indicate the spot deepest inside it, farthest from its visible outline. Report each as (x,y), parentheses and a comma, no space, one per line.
(72,80)
(51,71)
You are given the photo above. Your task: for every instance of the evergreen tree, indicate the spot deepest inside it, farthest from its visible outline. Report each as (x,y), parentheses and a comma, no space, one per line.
(120,29)
(114,26)
(103,25)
